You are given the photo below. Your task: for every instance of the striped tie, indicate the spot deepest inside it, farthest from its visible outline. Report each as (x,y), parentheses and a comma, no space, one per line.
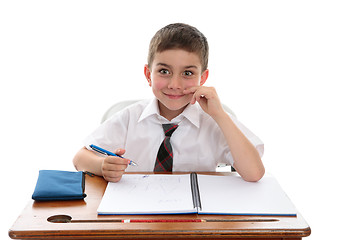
(164,159)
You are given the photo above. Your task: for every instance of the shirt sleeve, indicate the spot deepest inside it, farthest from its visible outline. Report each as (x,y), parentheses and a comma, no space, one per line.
(225,150)
(255,140)
(111,134)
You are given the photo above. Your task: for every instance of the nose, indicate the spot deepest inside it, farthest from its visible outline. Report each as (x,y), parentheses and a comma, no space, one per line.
(175,83)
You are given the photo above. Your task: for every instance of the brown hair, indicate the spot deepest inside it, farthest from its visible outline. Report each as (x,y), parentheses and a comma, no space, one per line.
(180,36)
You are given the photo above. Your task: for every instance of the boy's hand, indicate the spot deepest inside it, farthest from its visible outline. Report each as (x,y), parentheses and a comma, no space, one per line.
(114,167)
(207,98)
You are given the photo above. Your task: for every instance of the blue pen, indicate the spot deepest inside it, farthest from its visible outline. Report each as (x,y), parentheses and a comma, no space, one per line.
(106,152)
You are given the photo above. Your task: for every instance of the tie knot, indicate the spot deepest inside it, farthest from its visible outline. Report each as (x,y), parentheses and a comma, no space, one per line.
(169,129)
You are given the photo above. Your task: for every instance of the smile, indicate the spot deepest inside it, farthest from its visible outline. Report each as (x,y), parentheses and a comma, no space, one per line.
(174,96)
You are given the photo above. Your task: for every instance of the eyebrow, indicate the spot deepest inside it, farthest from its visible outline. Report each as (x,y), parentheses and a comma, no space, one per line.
(168,66)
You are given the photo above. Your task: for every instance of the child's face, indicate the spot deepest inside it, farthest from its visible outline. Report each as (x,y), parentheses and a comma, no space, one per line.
(171,73)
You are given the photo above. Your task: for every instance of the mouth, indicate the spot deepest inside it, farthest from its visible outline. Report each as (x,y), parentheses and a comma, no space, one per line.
(174,96)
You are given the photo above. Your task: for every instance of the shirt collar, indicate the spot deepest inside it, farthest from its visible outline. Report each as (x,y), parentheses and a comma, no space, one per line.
(150,109)
(191,112)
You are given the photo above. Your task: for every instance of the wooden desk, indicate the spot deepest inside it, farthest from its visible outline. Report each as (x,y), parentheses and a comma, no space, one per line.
(37,221)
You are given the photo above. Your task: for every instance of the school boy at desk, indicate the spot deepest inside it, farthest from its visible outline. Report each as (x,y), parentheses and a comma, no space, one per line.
(186,119)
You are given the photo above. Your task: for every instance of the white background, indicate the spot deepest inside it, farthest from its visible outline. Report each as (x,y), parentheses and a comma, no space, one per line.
(289,69)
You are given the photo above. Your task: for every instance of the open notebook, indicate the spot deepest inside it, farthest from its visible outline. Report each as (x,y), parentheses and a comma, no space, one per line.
(194,193)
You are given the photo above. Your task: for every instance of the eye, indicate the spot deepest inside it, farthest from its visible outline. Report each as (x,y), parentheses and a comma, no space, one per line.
(164,71)
(188,73)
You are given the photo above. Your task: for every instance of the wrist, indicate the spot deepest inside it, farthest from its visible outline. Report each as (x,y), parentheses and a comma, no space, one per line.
(221,117)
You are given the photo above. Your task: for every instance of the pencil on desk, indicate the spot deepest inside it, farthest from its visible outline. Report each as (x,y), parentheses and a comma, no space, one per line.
(160,220)
(195,220)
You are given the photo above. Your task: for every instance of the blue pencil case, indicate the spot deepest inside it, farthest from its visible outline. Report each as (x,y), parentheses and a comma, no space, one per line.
(55,185)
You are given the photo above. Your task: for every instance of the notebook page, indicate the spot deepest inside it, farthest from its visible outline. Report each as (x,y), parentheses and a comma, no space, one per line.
(233,195)
(148,194)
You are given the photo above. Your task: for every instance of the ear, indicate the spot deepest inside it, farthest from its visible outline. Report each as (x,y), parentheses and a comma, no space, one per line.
(204,77)
(147,73)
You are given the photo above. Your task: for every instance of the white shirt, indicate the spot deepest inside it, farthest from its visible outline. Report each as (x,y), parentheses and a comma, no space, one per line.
(198,143)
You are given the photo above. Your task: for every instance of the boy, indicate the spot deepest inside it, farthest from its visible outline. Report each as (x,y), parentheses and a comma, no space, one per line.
(203,134)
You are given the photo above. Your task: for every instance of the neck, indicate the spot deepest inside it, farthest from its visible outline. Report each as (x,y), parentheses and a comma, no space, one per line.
(169,114)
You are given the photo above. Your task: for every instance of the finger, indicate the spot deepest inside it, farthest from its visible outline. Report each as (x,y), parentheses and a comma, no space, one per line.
(200,94)
(120,151)
(112,179)
(113,174)
(205,92)
(116,160)
(114,167)
(191,90)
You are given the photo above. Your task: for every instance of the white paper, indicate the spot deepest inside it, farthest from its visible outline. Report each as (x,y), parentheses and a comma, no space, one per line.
(148,194)
(171,194)
(233,195)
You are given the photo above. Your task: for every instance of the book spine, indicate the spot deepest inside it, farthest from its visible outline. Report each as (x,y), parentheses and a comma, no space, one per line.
(195,191)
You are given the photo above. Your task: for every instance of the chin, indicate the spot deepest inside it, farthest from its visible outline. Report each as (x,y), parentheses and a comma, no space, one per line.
(175,105)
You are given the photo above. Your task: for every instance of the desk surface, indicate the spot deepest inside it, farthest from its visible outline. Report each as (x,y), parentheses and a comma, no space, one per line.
(79,220)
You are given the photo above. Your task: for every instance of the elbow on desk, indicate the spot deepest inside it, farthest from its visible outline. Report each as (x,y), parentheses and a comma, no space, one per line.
(77,159)
(253,177)
(75,163)
(83,159)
